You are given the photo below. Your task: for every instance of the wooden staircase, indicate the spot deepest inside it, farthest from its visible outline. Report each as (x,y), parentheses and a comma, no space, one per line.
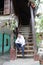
(29,47)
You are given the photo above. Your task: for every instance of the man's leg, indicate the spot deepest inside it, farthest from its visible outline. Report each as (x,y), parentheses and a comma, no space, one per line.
(22,48)
(17,45)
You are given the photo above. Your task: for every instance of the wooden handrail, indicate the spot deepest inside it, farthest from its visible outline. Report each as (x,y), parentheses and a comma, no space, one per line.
(33,29)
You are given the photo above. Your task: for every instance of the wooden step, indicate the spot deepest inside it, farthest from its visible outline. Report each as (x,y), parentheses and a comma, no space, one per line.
(27,51)
(31,34)
(30,38)
(28,46)
(24,30)
(27,43)
(26,55)
(25,33)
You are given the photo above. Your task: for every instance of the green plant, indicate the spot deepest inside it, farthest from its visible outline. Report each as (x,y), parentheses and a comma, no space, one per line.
(41,24)
(38,39)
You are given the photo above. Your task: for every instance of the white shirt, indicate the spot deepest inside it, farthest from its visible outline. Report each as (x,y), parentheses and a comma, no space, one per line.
(20,40)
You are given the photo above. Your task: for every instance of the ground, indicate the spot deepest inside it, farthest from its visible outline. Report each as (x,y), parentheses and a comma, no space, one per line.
(5,60)
(22,62)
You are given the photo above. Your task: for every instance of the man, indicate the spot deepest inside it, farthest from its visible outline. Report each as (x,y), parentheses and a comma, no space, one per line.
(20,43)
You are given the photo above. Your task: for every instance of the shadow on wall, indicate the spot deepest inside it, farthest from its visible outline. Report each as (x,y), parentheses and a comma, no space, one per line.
(1,5)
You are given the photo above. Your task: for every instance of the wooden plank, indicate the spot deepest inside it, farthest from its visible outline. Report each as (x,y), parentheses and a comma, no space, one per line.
(6,7)
(27,55)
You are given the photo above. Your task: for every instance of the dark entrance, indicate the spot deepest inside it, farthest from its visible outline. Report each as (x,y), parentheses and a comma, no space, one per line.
(25,16)
(22,10)
(1,6)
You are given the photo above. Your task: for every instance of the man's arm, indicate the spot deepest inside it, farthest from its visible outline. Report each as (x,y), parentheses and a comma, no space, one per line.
(17,40)
(23,42)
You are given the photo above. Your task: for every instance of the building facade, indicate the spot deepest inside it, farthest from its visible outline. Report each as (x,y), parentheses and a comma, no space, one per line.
(26,18)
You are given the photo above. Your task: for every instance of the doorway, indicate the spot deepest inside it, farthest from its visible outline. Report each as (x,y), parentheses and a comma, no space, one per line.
(22,10)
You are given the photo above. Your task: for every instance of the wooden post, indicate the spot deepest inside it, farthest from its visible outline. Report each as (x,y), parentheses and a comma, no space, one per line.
(11,10)
(6,7)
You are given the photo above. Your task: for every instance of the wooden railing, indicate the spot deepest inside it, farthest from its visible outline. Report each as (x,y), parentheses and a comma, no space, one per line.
(33,29)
